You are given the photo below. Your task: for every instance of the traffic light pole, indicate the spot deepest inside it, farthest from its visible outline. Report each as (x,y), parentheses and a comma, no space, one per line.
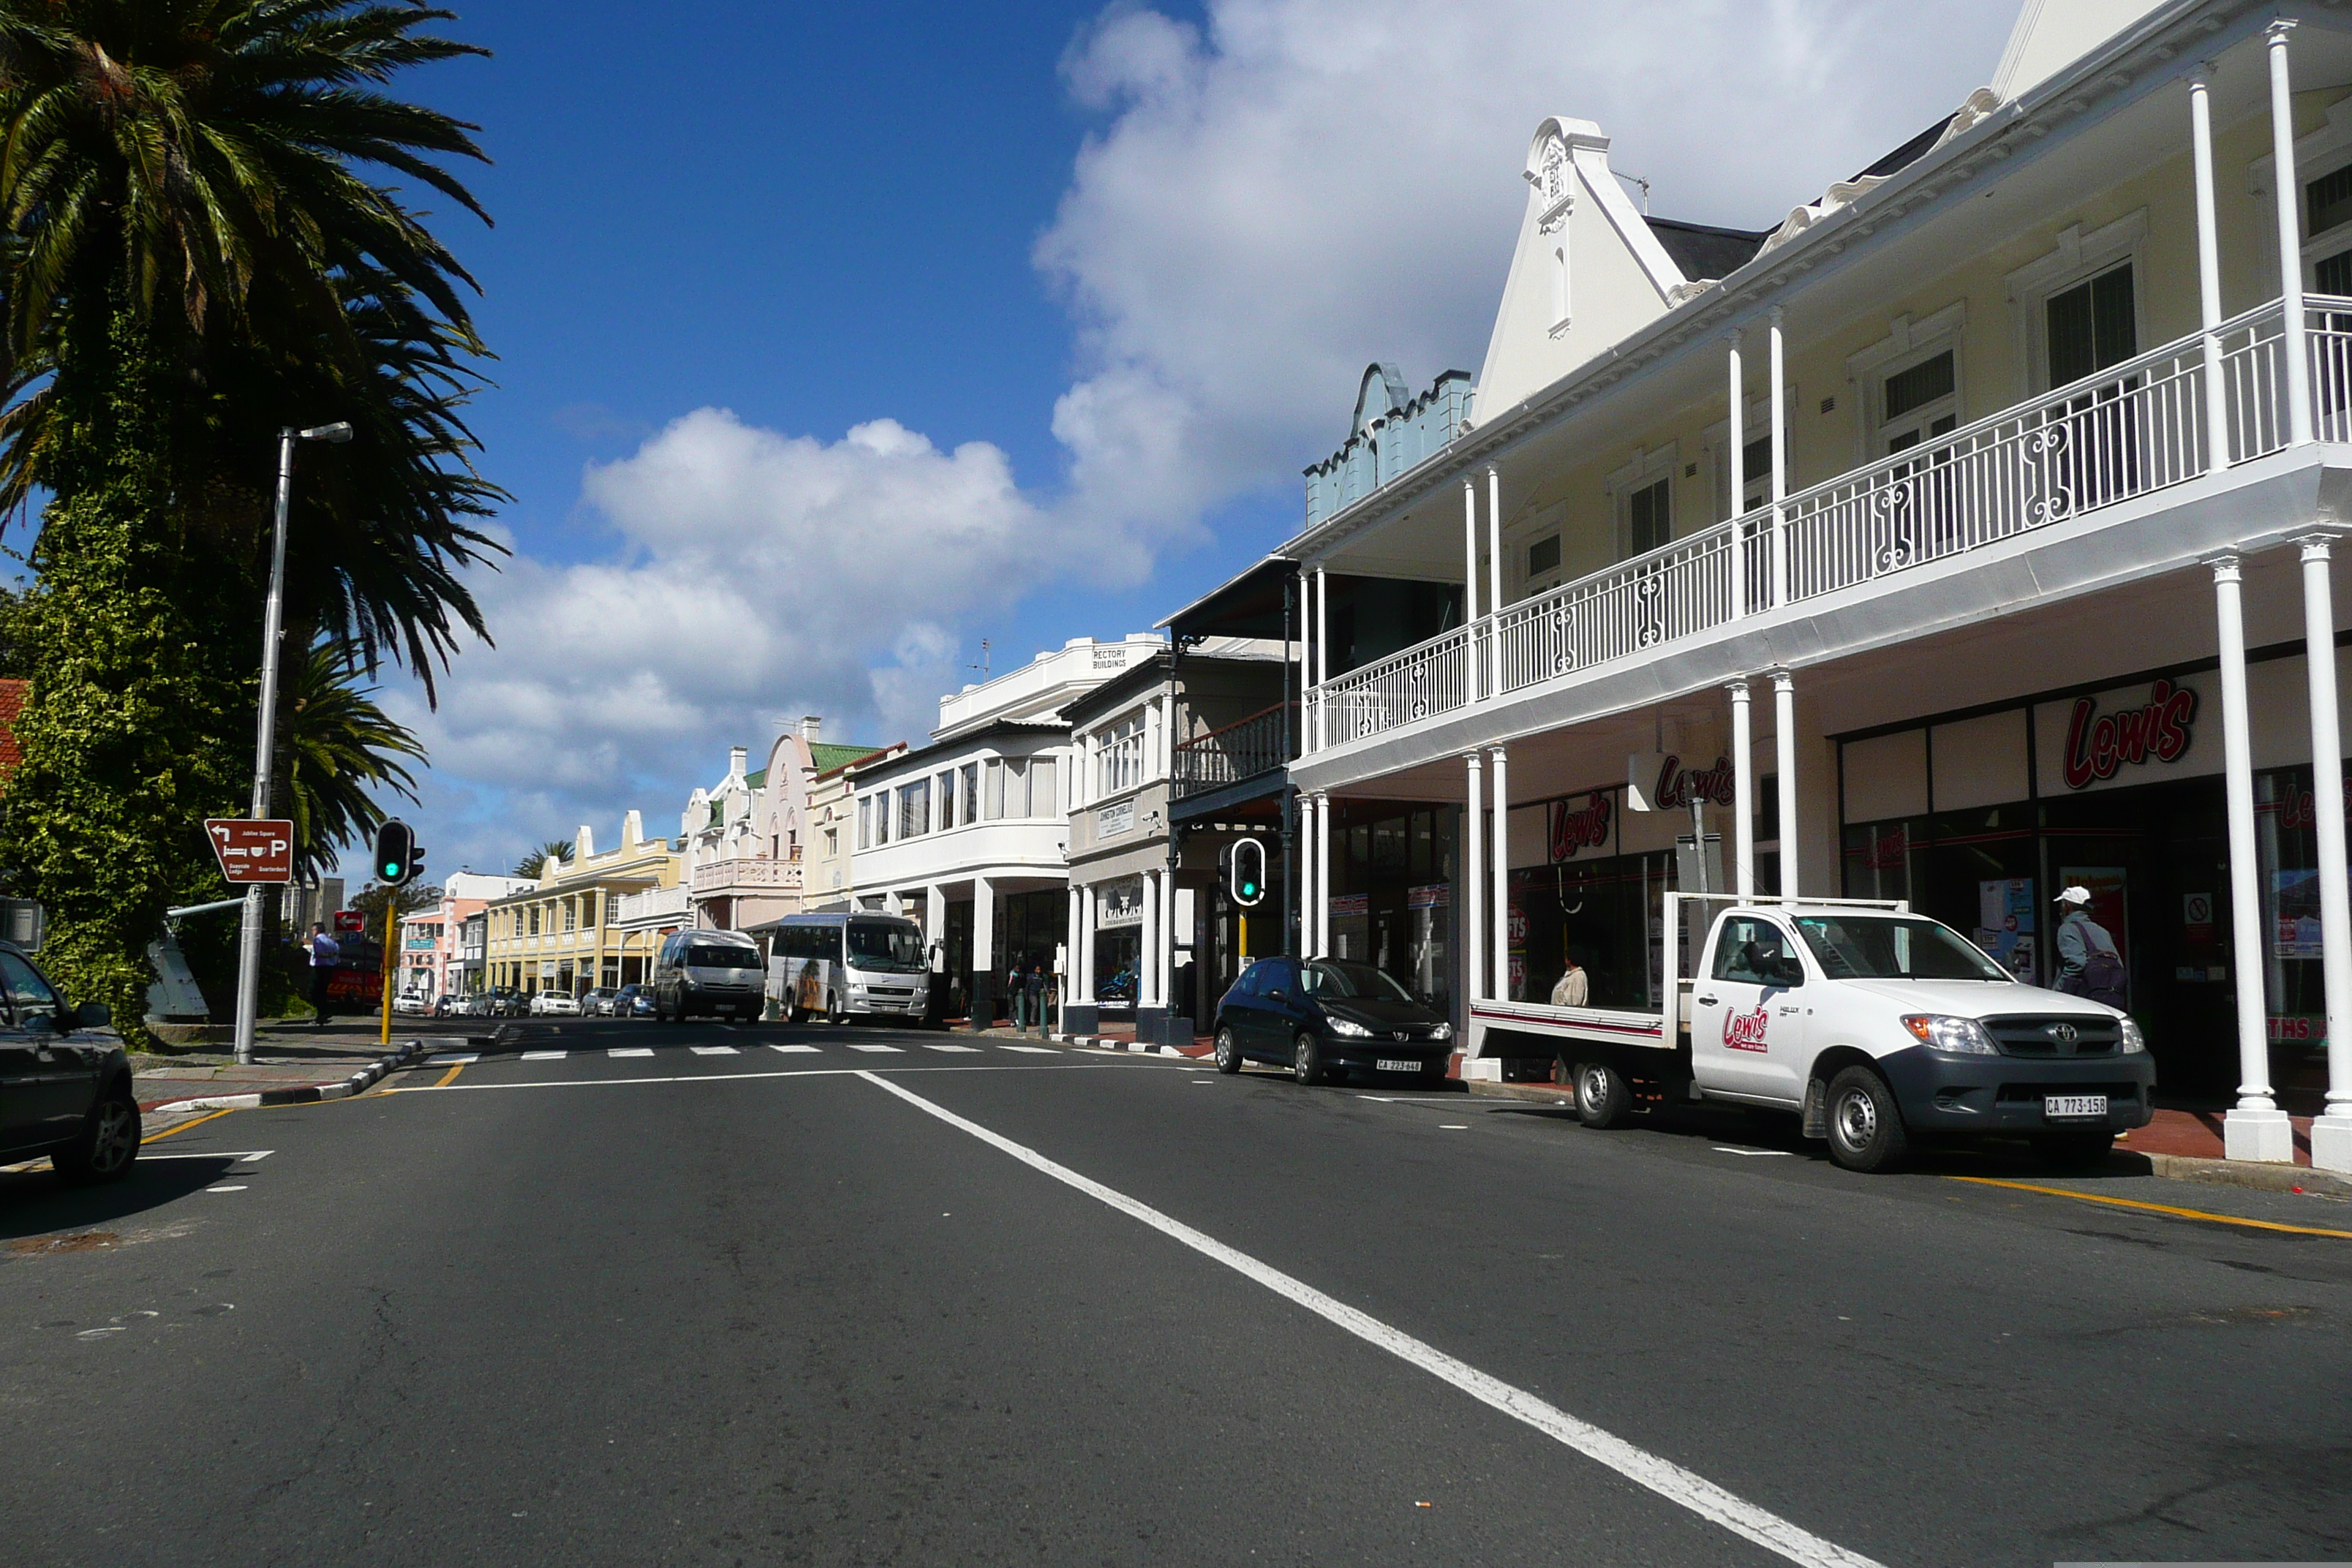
(248,951)
(391,928)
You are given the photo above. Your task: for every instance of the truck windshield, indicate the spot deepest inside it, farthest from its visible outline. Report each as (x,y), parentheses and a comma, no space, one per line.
(713,956)
(877,945)
(1865,947)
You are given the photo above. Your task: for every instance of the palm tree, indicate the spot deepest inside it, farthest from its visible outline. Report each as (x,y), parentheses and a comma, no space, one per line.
(197,163)
(336,748)
(534,864)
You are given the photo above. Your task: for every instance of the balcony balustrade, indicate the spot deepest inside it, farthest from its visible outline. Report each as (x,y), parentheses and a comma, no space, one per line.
(2129,431)
(745,874)
(650,906)
(1242,750)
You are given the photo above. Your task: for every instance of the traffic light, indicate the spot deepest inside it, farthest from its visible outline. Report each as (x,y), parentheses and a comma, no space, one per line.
(1245,872)
(395,852)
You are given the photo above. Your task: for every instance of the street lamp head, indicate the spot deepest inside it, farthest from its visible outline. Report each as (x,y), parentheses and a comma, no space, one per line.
(333,435)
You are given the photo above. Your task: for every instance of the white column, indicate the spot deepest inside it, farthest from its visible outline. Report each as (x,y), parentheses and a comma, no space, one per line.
(2331,1133)
(2209,280)
(1784,746)
(1494,579)
(2255,1129)
(1322,875)
(1474,885)
(983,934)
(1149,763)
(1168,734)
(1738,476)
(1469,549)
(1071,944)
(1147,956)
(1780,573)
(1502,875)
(1322,656)
(2290,241)
(935,914)
(1743,795)
(1086,944)
(1304,807)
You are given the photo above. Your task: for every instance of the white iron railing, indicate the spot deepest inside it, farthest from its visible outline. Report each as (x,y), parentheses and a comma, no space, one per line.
(2132,429)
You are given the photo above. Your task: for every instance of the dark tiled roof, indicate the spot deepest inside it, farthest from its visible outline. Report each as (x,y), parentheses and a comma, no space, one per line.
(1703,251)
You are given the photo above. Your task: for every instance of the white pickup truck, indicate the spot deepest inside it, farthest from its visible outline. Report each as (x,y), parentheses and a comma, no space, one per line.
(1872,1024)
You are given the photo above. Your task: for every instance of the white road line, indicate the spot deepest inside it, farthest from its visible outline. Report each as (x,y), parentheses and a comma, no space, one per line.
(224,1189)
(794,1050)
(630,1051)
(929,1046)
(450,1061)
(544,1055)
(1454,1127)
(716,1051)
(872,1050)
(242,1157)
(1752,1153)
(705,1078)
(1033,1050)
(1669,1480)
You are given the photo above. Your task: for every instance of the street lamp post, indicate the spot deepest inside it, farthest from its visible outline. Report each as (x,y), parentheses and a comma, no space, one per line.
(249,956)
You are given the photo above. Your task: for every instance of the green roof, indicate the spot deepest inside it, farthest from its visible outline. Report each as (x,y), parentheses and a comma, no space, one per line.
(753,780)
(828,756)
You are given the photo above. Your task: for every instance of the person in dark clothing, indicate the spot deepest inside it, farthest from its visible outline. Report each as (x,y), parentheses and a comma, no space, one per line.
(1033,988)
(323,951)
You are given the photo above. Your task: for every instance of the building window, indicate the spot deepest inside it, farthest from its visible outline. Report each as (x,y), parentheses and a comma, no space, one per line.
(588,911)
(534,919)
(946,785)
(2327,201)
(2092,326)
(833,843)
(570,916)
(1543,556)
(1919,402)
(971,792)
(1649,517)
(995,789)
(1042,799)
(915,809)
(1120,760)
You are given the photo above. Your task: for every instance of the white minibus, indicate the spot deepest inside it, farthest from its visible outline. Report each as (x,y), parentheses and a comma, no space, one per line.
(843,965)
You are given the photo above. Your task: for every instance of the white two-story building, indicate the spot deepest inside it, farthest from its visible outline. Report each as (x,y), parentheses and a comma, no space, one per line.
(1968,536)
(968,834)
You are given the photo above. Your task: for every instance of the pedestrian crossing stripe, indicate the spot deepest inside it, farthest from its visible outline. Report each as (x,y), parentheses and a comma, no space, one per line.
(715,1051)
(631,1051)
(1034,1050)
(874,1050)
(445,1060)
(792,1050)
(544,1055)
(929,1047)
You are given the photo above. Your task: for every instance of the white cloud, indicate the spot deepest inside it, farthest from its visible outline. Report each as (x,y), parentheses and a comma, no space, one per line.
(1265,205)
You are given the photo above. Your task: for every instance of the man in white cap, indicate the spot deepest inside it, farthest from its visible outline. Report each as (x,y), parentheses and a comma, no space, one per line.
(2088,962)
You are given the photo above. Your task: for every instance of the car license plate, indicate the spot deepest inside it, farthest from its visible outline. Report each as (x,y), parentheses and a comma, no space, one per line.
(1391,1064)
(2062,1107)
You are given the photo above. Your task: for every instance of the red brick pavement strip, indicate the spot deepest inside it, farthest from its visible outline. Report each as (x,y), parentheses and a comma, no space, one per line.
(2197,1135)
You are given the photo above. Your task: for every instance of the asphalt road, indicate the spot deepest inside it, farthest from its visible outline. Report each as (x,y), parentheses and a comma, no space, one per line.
(914,1305)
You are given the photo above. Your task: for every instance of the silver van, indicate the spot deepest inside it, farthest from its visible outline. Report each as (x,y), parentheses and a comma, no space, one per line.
(714,974)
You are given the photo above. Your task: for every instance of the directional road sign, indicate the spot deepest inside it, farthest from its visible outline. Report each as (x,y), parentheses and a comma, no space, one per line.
(253,851)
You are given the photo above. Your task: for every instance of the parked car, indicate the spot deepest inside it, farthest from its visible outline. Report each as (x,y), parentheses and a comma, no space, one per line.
(411,1003)
(65,1090)
(1322,1017)
(554,1004)
(503,1002)
(598,1002)
(633,1002)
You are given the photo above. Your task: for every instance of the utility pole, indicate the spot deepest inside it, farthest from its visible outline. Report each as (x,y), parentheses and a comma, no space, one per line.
(248,954)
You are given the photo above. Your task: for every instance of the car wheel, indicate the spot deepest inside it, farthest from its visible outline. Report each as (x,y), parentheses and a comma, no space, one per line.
(834,1012)
(1604,1098)
(1306,1060)
(1229,1052)
(107,1146)
(2075,1150)
(1866,1125)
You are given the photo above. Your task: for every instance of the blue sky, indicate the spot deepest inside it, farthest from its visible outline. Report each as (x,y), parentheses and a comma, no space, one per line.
(832,340)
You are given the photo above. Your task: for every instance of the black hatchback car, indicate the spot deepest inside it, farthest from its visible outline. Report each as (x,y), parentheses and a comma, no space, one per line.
(1321,1017)
(65,1091)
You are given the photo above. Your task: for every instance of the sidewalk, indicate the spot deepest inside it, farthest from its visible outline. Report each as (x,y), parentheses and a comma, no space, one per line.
(286,1054)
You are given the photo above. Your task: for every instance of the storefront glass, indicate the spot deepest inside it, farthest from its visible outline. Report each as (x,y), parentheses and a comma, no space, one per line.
(1606,914)
(1391,902)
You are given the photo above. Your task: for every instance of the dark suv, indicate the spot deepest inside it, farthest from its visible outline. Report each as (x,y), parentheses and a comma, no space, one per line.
(65,1091)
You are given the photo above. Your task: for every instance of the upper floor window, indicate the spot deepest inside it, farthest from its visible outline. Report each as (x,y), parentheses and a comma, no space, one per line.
(2327,205)
(2091,325)
(914,808)
(1649,517)
(588,912)
(971,790)
(534,919)
(1120,764)
(945,783)
(1917,402)
(1543,558)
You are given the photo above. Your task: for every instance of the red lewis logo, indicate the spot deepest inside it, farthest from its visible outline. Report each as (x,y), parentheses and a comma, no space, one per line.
(2099,744)
(1579,827)
(1744,1031)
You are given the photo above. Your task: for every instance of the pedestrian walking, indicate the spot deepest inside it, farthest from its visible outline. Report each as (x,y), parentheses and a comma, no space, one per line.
(1033,988)
(1015,994)
(2089,964)
(324,951)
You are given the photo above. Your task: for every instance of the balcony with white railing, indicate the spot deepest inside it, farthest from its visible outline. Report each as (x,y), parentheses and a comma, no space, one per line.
(743,874)
(2131,430)
(654,906)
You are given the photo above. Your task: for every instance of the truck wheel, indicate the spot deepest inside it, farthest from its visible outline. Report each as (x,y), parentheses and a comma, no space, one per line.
(107,1145)
(1865,1125)
(1604,1098)
(2074,1151)
(1229,1052)
(1306,1060)
(834,1014)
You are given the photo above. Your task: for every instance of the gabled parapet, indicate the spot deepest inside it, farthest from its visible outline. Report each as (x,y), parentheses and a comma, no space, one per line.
(1391,432)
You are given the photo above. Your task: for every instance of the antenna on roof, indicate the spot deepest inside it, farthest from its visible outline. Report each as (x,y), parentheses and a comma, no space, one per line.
(1636,180)
(983,665)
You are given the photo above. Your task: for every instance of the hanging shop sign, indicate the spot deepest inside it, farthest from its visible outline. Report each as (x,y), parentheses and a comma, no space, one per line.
(1575,828)
(2098,746)
(1660,782)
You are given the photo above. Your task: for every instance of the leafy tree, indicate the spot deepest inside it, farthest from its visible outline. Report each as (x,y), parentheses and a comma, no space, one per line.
(335,747)
(534,864)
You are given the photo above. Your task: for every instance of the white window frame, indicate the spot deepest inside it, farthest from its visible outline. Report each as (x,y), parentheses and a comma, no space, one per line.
(1119,754)
(2324,151)
(1908,342)
(2077,258)
(1647,469)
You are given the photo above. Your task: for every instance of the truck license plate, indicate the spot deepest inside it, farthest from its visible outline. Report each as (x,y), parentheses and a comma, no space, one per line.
(1391,1065)
(2062,1107)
